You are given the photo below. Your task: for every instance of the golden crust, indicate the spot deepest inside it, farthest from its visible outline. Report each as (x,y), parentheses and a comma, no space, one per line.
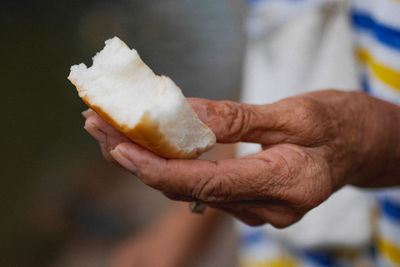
(145,133)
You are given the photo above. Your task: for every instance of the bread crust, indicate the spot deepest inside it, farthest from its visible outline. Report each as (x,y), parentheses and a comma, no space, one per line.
(146,133)
(151,131)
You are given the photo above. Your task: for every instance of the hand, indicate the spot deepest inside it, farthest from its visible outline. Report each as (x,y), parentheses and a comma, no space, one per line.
(107,136)
(313,144)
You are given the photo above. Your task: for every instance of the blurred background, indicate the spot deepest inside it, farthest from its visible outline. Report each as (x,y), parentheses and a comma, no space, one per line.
(61,204)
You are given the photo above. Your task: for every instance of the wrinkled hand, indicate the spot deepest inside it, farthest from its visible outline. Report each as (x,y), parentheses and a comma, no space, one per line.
(313,144)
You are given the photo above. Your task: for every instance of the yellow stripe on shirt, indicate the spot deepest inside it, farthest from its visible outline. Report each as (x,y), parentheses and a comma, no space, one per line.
(387,75)
(388,250)
(280,261)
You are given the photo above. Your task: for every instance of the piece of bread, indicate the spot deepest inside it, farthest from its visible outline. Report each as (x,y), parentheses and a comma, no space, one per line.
(149,109)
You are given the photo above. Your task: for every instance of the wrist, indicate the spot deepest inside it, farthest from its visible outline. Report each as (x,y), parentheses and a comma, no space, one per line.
(389,173)
(381,143)
(365,147)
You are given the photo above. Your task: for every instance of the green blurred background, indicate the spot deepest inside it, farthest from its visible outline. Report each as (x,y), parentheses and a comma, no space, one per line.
(58,196)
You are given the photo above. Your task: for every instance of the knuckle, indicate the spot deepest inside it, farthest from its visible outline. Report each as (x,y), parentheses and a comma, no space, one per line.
(310,121)
(307,111)
(236,119)
(90,121)
(301,180)
(212,189)
(93,120)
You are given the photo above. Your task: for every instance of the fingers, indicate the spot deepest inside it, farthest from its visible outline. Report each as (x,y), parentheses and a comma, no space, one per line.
(107,136)
(297,120)
(106,154)
(208,181)
(94,121)
(106,143)
(232,121)
(87,113)
(277,185)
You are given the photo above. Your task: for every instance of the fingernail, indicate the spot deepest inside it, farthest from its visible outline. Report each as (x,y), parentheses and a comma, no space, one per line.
(89,126)
(121,159)
(86,113)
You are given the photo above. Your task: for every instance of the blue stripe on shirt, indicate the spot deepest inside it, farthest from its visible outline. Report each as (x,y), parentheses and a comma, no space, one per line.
(319,258)
(252,237)
(390,208)
(384,34)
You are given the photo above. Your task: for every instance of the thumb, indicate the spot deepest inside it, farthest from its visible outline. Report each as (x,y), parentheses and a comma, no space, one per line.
(233,122)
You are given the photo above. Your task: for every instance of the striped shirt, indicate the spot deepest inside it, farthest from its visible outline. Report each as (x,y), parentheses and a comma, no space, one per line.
(377,32)
(376,29)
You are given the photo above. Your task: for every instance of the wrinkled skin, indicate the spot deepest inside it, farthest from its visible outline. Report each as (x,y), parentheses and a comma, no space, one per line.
(313,144)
